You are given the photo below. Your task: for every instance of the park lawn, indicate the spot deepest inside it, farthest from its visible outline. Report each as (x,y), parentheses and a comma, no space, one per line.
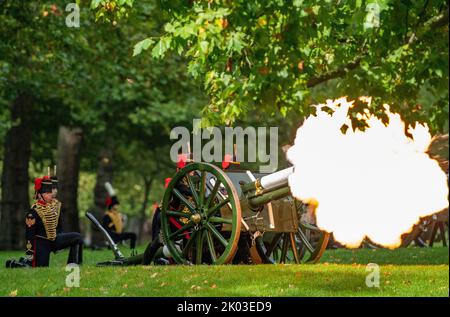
(403,272)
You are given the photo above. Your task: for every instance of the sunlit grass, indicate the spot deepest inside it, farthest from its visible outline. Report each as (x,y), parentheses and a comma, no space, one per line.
(403,272)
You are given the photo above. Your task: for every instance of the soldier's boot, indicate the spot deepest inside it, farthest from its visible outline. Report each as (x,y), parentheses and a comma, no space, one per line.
(76,254)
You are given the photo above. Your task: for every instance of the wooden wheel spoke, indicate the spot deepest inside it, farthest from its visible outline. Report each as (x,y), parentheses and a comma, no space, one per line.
(183,228)
(212,210)
(220,220)
(189,244)
(322,245)
(199,253)
(217,234)
(305,241)
(213,193)
(210,242)
(193,190)
(186,202)
(202,188)
(177,214)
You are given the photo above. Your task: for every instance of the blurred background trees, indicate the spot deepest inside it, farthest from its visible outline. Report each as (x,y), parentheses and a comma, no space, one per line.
(75,98)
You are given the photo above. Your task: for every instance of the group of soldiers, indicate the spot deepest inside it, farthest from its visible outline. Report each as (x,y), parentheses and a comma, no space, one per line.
(43,227)
(44,234)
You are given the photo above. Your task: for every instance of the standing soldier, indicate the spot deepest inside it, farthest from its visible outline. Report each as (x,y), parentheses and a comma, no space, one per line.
(43,228)
(112,220)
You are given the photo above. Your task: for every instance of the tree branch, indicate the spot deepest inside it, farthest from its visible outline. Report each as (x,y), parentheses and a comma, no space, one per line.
(433,23)
(340,72)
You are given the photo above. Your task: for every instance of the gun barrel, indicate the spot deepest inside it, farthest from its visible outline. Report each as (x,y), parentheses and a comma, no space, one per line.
(267,188)
(276,179)
(268,182)
(268,197)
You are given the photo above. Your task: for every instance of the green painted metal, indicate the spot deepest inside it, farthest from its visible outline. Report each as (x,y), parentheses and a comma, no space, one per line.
(248,187)
(203,220)
(263,199)
(211,224)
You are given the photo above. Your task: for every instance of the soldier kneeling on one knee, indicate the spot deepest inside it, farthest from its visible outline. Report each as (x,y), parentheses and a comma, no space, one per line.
(44,229)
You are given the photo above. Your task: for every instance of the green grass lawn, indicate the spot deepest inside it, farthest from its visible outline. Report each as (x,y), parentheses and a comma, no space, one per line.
(403,272)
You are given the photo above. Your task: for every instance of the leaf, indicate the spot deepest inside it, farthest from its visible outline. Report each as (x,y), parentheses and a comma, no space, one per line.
(297,3)
(142,45)
(169,28)
(236,42)
(95,3)
(13,293)
(161,47)
(204,47)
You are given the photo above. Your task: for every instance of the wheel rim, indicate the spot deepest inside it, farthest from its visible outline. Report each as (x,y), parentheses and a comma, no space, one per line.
(210,231)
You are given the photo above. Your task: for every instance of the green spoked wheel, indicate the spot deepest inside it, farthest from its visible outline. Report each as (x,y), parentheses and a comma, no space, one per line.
(201,216)
(306,245)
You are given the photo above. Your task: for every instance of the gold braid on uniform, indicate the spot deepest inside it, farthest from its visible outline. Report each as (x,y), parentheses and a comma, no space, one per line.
(49,213)
(116,219)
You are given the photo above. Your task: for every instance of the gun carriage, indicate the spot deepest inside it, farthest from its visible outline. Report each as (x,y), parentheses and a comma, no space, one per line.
(224,212)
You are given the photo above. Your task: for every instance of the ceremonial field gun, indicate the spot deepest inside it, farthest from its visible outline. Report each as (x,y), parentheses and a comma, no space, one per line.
(209,214)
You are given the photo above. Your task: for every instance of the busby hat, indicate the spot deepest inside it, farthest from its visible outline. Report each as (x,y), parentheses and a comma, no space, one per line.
(43,185)
(54,179)
(112,196)
(111,202)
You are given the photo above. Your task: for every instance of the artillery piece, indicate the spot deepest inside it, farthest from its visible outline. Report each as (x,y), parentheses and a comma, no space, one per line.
(206,222)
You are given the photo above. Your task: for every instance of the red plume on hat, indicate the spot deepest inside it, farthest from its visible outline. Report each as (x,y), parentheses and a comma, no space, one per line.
(182,159)
(227,161)
(37,183)
(42,185)
(230,159)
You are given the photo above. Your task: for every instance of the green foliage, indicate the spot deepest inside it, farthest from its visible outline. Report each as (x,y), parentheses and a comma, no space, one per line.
(111,10)
(274,55)
(87,77)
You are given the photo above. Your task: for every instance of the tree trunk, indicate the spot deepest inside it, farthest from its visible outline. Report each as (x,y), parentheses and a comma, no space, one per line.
(148,181)
(104,174)
(69,145)
(15,180)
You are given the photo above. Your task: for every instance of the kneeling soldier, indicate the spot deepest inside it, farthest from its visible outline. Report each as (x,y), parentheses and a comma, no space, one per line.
(112,220)
(43,228)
